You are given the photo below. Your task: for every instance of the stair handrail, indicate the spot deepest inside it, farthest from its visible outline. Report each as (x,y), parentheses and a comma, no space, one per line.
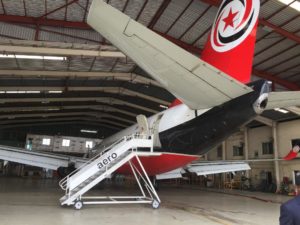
(63,183)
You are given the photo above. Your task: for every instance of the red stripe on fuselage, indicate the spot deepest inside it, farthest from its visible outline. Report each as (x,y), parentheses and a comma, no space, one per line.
(159,164)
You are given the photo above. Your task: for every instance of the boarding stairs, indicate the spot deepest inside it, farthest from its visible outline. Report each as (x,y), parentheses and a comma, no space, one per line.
(106,163)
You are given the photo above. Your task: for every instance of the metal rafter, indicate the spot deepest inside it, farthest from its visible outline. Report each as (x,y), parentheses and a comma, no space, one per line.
(57,9)
(6,118)
(195,21)
(106,100)
(182,12)
(130,77)
(45,121)
(275,55)
(271,77)
(159,12)
(103,108)
(141,10)
(43,21)
(111,90)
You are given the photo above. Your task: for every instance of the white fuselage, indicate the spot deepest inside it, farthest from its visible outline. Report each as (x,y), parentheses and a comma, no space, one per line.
(169,118)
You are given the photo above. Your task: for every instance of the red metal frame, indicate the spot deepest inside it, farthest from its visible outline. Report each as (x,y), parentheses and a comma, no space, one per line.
(280,31)
(271,77)
(43,21)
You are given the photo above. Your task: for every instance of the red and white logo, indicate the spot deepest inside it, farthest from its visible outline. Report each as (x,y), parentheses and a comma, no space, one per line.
(234,22)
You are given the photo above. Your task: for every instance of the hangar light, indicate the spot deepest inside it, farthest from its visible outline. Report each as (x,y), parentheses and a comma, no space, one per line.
(281,110)
(53,92)
(89,131)
(57,58)
(163,106)
(20,92)
(292,3)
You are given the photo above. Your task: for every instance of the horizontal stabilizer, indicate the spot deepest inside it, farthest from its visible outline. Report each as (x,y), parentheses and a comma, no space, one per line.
(195,82)
(177,173)
(44,160)
(207,168)
(283,99)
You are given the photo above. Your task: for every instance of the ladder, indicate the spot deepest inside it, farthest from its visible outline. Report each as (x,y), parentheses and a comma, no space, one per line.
(103,165)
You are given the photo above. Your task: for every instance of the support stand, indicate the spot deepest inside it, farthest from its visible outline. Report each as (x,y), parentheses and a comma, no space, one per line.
(148,192)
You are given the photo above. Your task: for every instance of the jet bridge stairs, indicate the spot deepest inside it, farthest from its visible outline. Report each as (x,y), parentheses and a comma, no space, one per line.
(105,163)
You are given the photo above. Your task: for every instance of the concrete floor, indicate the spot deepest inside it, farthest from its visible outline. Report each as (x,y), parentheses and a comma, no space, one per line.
(35,202)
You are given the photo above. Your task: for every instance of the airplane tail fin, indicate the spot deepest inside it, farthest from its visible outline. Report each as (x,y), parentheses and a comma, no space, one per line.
(293,153)
(230,45)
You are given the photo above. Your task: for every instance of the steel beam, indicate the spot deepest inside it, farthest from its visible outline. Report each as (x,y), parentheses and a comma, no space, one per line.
(159,12)
(130,77)
(112,90)
(78,118)
(294,109)
(46,115)
(103,108)
(264,120)
(107,100)
(280,31)
(59,52)
(60,123)
(277,80)
(43,21)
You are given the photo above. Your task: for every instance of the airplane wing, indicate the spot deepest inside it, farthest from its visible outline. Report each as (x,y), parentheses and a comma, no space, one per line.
(195,82)
(283,99)
(206,168)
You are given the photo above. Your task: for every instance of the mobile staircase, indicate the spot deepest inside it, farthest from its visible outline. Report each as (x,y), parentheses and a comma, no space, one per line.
(106,163)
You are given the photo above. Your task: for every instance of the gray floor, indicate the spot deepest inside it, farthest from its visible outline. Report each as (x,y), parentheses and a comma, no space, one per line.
(35,202)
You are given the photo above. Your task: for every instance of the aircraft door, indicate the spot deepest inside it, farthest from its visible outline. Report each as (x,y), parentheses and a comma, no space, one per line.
(143,124)
(155,132)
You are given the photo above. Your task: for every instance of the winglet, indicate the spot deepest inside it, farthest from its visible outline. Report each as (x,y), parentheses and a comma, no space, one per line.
(293,153)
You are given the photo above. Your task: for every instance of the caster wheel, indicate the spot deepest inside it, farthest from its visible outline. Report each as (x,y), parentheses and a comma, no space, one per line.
(155,204)
(78,205)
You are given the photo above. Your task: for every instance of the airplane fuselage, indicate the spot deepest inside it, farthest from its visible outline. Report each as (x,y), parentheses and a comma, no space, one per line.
(195,132)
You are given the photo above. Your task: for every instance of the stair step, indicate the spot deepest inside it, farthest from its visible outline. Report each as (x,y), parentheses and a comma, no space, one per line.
(88,182)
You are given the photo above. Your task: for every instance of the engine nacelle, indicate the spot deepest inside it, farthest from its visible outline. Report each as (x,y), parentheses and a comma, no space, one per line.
(261,103)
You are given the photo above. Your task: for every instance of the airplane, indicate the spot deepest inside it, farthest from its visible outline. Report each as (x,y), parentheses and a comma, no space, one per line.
(215,97)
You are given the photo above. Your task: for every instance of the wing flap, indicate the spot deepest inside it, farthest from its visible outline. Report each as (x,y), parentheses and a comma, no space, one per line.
(283,99)
(190,79)
(207,168)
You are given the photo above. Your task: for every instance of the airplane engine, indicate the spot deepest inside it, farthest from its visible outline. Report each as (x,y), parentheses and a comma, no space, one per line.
(260,104)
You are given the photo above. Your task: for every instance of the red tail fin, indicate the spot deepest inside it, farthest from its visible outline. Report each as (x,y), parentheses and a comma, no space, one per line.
(230,45)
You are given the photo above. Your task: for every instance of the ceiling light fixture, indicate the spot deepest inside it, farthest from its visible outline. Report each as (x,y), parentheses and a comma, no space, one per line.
(20,92)
(55,92)
(40,57)
(281,110)
(163,106)
(89,131)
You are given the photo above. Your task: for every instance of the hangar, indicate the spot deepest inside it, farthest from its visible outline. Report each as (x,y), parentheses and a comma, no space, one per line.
(69,81)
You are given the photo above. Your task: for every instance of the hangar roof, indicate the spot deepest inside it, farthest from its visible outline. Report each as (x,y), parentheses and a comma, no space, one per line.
(94,84)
